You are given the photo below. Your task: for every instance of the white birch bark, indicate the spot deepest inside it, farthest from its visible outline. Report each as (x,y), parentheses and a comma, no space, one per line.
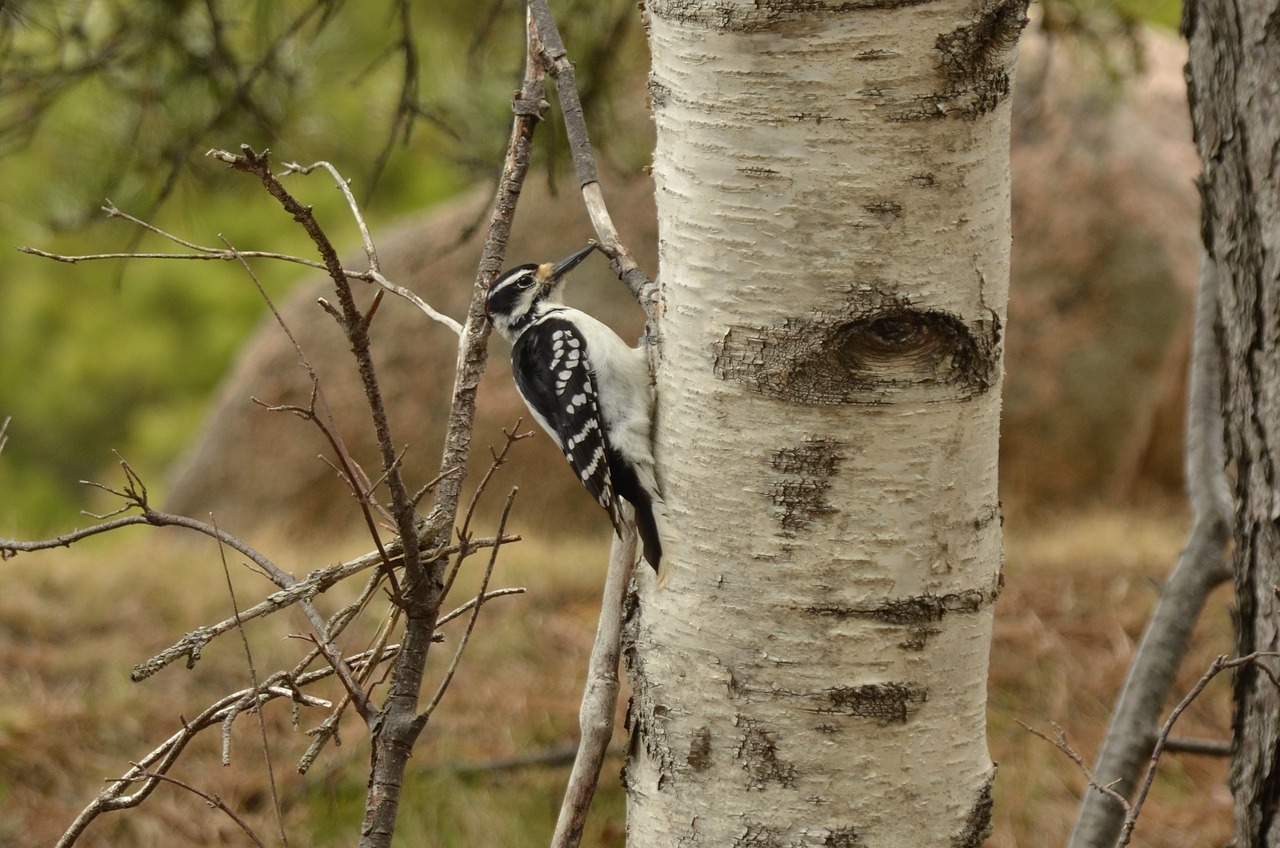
(833,196)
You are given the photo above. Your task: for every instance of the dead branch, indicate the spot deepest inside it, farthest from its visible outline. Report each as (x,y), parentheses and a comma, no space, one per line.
(550,50)
(116,795)
(191,645)
(212,800)
(1219,665)
(1133,809)
(599,698)
(374,273)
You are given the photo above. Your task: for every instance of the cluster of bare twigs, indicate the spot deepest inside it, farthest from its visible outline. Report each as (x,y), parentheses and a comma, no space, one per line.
(1164,742)
(417,564)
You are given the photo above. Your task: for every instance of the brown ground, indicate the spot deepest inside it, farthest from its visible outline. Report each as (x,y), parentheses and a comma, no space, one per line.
(1078,589)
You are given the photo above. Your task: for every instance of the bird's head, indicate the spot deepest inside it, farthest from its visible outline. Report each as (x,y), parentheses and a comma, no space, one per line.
(515,296)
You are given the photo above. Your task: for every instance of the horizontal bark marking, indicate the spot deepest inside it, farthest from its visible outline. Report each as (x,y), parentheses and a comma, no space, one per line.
(916,613)
(763,14)
(801,496)
(918,609)
(887,703)
(843,837)
(880,352)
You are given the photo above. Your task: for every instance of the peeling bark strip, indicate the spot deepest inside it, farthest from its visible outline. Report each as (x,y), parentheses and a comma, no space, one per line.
(886,353)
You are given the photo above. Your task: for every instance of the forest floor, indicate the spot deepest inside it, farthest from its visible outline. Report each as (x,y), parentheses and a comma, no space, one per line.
(73,623)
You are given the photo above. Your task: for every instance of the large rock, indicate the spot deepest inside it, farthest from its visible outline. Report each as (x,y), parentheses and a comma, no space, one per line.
(1105,254)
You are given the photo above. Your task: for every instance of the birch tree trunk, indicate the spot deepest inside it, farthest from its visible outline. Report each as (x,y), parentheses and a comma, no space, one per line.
(1234,88)
(833,197)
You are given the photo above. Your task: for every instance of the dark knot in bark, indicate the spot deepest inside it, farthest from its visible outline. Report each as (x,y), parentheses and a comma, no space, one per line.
(884,353)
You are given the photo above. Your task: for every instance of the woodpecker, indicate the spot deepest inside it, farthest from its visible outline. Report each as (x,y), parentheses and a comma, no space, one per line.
(587,388)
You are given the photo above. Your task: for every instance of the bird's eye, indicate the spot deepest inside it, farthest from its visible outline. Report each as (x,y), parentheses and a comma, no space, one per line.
(524,282)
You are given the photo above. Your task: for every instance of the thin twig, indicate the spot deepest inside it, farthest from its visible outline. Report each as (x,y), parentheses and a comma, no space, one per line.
(212,800)
(1060,742)
(253,681)
(161,758)
(555,60)
(475,613)
(191,645)
(375,272)
(1133,808)
(499,459)
(356,479)
(1219,665)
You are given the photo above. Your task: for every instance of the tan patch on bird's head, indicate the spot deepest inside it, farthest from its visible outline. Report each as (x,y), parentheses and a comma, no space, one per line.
(545,269)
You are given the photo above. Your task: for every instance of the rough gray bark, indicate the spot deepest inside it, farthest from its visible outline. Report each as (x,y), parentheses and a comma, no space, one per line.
(1235,106)
(832,184)
(1132,734)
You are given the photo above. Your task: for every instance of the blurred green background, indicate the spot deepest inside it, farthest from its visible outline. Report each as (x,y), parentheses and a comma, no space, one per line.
(121,100)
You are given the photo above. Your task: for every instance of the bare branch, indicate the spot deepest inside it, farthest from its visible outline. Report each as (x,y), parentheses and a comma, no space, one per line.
(1060,742)
(475,614)
(1219,665)
(162,758)
(551,52)
(401,724)
(375,271)
(599,697)
(262,722)
(191,645)
(1161,744)
(214,801)
(1200,567)
(1200,747)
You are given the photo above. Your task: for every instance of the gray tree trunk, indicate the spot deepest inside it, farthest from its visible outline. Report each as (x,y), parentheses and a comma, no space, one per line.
(833,197)
(1234,88)
(1126,751)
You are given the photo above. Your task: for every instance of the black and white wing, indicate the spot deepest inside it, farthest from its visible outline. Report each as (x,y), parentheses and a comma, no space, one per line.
(553,372)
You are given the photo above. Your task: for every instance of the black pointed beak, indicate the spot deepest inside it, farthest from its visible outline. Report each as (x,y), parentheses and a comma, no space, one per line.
(570,262)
